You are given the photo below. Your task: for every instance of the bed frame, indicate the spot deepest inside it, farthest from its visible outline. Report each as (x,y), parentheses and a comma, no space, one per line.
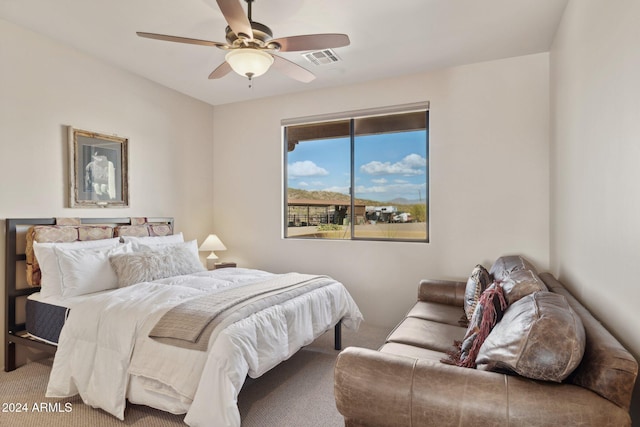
(15,333)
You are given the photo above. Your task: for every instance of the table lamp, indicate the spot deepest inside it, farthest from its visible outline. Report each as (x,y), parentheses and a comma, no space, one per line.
(212,243)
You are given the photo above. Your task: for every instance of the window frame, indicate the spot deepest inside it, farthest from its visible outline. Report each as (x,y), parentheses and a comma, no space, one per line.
(352,116)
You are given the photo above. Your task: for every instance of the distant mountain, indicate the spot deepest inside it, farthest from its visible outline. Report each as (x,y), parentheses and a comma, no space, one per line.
(296,193)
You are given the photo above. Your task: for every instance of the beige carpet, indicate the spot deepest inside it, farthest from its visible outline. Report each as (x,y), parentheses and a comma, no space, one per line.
(298,392)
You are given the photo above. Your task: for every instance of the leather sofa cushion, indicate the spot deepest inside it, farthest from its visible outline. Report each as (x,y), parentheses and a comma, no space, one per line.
(426,334)
(505,265)
(441,313)
(540,337)
(521,283)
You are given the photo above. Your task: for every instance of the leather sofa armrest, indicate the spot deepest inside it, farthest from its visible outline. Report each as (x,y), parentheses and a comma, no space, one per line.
(381,389)
(373,388)
(448,292)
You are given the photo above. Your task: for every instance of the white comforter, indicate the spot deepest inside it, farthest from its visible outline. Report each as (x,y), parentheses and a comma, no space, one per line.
(105,355)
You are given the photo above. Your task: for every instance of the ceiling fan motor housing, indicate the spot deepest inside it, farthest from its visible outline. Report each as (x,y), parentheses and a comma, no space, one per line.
(261,34)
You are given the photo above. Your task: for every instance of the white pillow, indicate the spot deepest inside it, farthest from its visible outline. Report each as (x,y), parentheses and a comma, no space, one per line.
(153,240)
(158,263)
(84,271)
(50,282)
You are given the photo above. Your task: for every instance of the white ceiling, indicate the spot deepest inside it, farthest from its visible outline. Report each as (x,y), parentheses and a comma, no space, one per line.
(388,38)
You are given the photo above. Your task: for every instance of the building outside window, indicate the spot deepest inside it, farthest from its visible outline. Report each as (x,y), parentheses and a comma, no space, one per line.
(358,176)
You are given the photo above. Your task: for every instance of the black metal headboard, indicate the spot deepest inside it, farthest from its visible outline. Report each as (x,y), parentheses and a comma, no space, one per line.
(15,333)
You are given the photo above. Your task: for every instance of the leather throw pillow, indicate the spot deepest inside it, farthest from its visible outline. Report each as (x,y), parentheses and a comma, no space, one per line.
(539,337)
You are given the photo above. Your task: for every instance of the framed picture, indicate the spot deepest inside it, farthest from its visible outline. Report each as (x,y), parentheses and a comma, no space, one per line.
(98,170)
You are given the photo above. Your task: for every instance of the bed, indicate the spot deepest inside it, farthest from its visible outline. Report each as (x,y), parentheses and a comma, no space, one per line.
(128,343)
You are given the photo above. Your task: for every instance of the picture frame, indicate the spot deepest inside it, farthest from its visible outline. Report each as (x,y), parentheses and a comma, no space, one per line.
(98,170)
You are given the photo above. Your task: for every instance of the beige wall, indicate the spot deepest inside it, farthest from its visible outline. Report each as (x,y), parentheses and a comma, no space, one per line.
(45,86)
(489,181)
(595,178)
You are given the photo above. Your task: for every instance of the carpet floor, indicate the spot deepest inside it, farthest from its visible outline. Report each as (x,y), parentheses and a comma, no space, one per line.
(298,392)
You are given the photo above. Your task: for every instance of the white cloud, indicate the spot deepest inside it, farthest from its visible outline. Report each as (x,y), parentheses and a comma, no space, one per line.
(306,168)
(379,181)
(413,164)
(303,184)
(415,161)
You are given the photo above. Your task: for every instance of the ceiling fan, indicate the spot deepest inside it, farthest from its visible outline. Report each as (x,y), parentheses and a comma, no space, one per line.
(251,48)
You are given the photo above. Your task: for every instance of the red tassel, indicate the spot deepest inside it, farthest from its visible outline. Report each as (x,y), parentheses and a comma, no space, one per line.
(492,303)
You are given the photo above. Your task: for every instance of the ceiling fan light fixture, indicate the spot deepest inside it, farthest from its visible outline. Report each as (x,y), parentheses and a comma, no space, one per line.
(249,62)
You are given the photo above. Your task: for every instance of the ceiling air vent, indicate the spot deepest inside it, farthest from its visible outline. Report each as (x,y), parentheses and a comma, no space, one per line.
(321,57)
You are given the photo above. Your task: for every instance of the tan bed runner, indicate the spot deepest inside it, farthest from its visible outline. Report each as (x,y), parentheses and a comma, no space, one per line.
(193,323)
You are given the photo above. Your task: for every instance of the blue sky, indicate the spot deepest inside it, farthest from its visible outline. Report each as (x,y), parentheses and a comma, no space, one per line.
(387,166)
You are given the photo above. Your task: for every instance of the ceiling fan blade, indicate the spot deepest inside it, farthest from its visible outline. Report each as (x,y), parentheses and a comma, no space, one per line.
(292,69)
(221,71)
(176,39)
(235,17)
(312,42)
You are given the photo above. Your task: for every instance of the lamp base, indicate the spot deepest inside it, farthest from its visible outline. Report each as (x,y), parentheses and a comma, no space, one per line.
(211,263)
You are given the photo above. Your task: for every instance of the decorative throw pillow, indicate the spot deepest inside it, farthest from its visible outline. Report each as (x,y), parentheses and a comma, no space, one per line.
(95,232)
(488,312)
(521,283)
(539,337)
(476,285)
(192,245)
(146,266)
(508,264)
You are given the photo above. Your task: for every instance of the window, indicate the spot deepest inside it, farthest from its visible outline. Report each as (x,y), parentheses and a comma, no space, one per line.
(360,177)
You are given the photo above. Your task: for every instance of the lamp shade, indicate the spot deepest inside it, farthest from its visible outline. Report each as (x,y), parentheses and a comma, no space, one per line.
(212,243)
(249,62)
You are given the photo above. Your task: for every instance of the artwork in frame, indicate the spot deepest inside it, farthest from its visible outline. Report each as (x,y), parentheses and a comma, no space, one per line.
(98,170)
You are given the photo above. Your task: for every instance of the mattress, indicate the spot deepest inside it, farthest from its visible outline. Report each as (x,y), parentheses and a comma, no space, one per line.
(44,319)
(46,316)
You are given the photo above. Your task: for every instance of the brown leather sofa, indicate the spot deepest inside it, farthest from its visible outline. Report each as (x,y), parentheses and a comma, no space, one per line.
(405,382)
